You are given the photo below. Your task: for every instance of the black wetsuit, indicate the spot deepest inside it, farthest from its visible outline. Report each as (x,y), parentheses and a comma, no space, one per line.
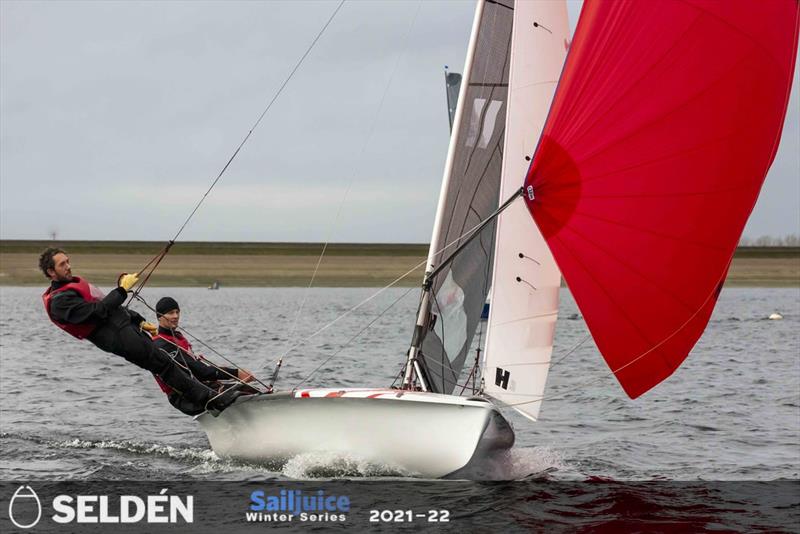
(198,368)
(118,332)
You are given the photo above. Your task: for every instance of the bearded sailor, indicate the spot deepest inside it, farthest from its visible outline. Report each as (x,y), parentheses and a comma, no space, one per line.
(84,312)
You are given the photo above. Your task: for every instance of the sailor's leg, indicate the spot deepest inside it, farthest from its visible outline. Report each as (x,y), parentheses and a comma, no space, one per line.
(139,349)
(176,378)
(183,404)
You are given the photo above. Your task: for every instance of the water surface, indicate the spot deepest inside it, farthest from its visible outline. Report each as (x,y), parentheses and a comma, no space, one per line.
(732,412)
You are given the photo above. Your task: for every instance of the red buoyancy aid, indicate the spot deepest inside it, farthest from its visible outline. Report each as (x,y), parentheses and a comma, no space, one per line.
(179,340)
(87,291)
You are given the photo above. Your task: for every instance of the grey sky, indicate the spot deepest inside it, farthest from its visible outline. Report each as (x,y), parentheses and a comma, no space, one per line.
(116,116)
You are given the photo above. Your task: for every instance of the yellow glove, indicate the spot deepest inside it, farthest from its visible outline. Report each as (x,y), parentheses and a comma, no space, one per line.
(126,281)
(149,327)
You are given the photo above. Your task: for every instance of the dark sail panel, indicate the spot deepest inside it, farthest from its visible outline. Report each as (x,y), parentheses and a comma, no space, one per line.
(459,291)
(452,82)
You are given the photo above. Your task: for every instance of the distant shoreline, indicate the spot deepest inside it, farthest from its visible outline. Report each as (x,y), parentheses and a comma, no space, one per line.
(239,264)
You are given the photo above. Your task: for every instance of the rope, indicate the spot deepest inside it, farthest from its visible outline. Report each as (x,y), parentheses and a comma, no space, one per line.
(353,338)
(217,353)
(634,360)
(157,259)
(154,262)
(443,356)
(353,175)
(337,319)
(354,308)
(258,121)
(436,374)
(541,398)
(394,282)
(446,380)
(570,351)
(464,386)
(473,373)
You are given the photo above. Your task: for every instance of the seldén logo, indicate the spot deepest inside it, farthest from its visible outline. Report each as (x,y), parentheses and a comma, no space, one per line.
(22,503)
(291,505)
(25,508)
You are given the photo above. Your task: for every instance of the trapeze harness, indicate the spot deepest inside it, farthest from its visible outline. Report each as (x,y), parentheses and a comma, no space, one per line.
(184,345)
(87,291)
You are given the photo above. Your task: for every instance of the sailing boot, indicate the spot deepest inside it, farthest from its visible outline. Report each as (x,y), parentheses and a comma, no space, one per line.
(223,399)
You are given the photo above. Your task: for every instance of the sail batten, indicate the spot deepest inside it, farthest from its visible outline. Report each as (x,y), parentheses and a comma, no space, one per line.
(665,122)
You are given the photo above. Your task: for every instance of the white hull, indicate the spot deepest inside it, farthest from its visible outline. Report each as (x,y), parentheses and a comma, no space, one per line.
(420,434)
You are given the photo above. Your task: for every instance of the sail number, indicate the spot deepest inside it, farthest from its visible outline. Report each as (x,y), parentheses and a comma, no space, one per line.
(408,516)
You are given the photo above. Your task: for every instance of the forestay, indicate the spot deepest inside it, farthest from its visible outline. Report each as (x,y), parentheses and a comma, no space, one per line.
(526,280)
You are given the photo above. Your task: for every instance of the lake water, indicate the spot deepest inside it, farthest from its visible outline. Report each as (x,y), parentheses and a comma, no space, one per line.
(731,412)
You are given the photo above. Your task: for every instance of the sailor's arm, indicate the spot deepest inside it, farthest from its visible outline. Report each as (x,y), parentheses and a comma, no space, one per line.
(219,373)
(206,372)
(69,307)
(209,372)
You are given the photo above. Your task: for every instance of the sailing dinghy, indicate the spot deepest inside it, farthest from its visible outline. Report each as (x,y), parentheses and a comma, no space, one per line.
(634,179)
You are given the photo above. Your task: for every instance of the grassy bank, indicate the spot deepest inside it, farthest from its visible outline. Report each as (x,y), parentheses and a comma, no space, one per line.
(206,248)
(292,264)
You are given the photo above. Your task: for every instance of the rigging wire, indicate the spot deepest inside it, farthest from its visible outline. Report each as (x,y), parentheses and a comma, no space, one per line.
(354,308)
(476,372)
(354,337)
(435,374)
(443,356)
(160,256)
(263,113)
(571,350)
(553,364)
(634,360)
(219,354)
(353,175)
(551,396)
(542,397)
(374,295)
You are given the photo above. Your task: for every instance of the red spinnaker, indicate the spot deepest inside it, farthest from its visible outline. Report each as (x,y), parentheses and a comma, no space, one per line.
(665,122)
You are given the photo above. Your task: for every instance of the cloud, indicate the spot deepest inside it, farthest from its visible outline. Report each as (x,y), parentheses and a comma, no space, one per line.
(130,109)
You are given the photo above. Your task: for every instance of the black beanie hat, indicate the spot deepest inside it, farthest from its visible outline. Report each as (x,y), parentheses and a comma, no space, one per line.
(165,305)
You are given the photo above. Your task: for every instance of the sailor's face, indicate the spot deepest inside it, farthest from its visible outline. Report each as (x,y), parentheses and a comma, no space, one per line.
(170,319)
(61,271)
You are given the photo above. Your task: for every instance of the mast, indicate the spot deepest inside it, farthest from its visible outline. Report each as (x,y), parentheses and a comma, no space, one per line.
(412,372)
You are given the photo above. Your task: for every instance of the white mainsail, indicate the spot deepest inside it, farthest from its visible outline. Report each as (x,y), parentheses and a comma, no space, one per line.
(526,280)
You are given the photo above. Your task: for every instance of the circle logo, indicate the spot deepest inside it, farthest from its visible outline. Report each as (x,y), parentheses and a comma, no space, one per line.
(22,498)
